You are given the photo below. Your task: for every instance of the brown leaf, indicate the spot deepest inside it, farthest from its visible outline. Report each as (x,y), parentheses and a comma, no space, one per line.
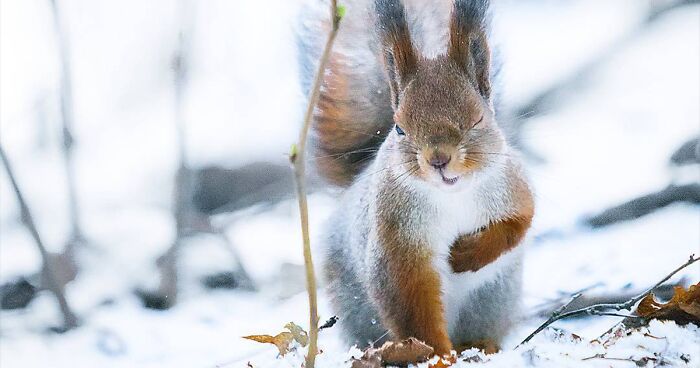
(405,352)
(401,353)
(300,336)
(683,308)
(444,362)
(281,340)
(372,358)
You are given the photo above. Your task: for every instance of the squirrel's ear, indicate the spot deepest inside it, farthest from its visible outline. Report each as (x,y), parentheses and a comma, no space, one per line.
(468,47)
(399,55)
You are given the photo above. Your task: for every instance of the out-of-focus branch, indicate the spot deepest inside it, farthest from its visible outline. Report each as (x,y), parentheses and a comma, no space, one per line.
(69,319)
(688,153)
(604,309)
(297,158)
(646,204)
(66,102)
(543,101)
(184,186)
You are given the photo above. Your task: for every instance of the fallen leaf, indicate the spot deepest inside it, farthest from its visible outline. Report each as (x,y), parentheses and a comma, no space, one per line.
(401,353)
(683,308)
(300,336)
(372,358)
(405,352)
(281,340)
(444,362)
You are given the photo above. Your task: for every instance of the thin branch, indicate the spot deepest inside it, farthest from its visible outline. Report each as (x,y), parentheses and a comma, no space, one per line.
(555,316)
(298,162)
(604,309)
(545,310)
(69,319)
(66,101)
(245,281)
(182,208)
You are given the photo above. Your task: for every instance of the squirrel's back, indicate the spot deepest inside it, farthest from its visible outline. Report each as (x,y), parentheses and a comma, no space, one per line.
(354,111)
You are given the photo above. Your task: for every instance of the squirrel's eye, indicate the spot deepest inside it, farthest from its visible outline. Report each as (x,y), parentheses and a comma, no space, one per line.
(479,121)
(399,130)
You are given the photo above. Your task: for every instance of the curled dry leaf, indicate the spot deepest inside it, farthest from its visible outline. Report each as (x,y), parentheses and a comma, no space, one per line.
(300,335)
(405,352)
(683,308)
(281,340)
(401,353)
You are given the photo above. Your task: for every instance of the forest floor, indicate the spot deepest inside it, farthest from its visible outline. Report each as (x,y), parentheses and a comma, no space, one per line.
(608,141)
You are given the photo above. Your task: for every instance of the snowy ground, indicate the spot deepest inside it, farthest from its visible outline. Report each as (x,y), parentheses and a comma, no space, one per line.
(607,141)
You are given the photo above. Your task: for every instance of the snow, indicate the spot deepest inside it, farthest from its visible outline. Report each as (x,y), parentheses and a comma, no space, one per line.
(603,143)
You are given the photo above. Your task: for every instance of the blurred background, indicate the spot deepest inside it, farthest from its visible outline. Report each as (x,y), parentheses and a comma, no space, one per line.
(149,139)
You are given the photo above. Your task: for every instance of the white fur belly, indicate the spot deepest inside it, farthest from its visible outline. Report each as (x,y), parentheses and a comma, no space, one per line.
(460,213)
(457,288)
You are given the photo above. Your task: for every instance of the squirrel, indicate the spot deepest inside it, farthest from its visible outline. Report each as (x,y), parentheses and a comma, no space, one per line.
(425,240)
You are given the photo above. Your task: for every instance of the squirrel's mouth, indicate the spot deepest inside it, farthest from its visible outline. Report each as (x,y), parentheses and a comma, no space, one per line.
(446,180)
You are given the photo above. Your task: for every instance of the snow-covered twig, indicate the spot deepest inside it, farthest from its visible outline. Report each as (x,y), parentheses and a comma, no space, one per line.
(297,159)
(604,309)
(69,319)
(546,309)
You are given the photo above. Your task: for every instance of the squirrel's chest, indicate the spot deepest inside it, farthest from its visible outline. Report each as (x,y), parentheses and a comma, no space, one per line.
(457,214)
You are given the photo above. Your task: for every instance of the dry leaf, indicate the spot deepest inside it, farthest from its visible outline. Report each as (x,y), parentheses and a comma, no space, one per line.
(401,353)
(683,308)
(281,340)
(444,362)
(372,358)
(299,334)
(405,352)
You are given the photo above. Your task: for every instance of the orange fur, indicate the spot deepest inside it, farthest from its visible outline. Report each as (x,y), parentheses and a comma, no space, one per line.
(474,251)
(343,144)
(413,307)
(418,310)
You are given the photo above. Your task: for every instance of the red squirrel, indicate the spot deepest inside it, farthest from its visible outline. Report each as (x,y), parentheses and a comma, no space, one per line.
(425,240)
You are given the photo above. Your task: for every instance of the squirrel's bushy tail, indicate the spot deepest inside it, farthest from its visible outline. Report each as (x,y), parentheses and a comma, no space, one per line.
(354,111)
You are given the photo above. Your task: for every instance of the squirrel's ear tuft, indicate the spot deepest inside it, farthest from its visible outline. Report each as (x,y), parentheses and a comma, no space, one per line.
(468,47)
(399,54)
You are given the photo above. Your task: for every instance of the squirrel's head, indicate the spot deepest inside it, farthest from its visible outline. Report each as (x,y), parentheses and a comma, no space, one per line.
(445,127)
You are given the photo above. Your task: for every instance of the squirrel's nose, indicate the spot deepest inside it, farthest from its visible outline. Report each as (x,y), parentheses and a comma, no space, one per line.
(439,161)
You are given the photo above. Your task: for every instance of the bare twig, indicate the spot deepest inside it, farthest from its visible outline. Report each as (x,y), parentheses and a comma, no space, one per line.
(69,319)
(182,209)
(66,101)
(641,362)
(555,316)
(545,310)
(245,281)
(604,309)
(298,162)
